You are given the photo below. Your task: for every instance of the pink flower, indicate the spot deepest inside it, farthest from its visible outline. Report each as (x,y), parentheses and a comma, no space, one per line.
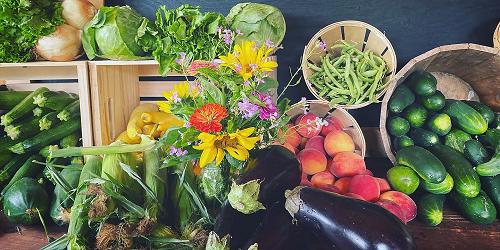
(247,109)
(269,111)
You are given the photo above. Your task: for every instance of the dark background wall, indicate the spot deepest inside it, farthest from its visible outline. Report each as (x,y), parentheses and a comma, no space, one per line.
(412,26)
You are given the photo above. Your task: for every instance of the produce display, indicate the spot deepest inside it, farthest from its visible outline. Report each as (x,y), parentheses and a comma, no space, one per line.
(444,147)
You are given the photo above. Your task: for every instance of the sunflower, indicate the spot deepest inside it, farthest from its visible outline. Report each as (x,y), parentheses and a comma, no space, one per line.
(247,60)
(208,118)
(180,91)
(237,144)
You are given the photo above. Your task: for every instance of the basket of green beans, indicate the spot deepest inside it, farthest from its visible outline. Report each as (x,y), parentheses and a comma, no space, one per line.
(349,64)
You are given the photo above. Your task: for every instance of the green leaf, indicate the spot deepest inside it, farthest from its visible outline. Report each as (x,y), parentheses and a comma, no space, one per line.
(244,197)
(268,84)
(213,93)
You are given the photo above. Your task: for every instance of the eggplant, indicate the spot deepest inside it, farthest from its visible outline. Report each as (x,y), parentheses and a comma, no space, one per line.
(345,222)
(278,170)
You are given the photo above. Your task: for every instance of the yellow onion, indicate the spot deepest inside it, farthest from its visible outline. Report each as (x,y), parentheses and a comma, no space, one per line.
(77,13)
(65,44)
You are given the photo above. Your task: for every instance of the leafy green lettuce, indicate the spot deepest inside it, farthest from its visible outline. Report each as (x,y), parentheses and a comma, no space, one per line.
(22,23)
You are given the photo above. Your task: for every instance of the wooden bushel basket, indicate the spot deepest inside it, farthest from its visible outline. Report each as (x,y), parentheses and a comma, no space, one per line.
(363,36)
(463,71)
(322,109)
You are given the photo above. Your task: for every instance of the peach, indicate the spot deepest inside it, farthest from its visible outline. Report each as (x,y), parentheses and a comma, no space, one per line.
(393,208)
(404,201)
(312,161)
(343,184)
(304,181)
(355,196)
(383,184)
(318,143)
(290,136)
(297,119)
(307,125)
(338,141)
(303,143)
(333,124)
(368,172)
(347,164)
(331,188)
(322,179)
(366,186)
(290,147)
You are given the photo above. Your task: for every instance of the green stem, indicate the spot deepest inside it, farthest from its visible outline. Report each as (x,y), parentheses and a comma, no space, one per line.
(100,150)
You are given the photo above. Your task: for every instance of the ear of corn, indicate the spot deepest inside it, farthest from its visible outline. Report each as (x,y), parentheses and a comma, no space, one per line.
(155,179)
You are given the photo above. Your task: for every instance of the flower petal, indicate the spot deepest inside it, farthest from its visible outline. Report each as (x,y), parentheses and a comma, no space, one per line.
(238,153)
(219,157)
(207,156)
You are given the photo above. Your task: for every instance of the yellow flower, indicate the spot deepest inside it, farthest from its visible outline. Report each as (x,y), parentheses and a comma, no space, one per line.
(247,60)
(236,144)
(179,92)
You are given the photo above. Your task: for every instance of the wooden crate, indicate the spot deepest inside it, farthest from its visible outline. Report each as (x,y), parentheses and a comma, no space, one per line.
(117,87)
(58,76)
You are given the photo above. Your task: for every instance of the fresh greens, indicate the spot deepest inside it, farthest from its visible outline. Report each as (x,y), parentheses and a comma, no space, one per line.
(257,22)
(113,34)
(185,33)
(22,23)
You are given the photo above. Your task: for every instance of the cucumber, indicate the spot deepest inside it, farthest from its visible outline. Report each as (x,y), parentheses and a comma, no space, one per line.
(466,179)
(491,138)
(55,100)
(9,99)
(479,209)
(21,109)
(484,110)
(434,102)
(416,115)
(400,99)
(423,162)
(456,139)
(430,209)
(491,167)
(467,118)
(440,124)
(403,179)
(475,152)
(47,137)
(422,83)
(398,126)
(28,169)
(491,186)
(424,138)
(443,187)
(402,142)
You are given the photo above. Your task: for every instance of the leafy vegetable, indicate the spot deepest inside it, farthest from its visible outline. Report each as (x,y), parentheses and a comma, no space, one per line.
(257,22)
(22,23)
(184,32)
(112,34)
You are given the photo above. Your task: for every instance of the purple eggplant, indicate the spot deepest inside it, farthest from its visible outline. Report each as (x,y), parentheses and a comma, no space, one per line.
(278,170)
(345,222)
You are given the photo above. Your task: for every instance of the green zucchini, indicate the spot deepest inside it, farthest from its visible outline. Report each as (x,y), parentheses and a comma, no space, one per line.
(466,179)
(5,157)
(484,110)
(24,201)
(45,151)
(467,118)
(456,139)
(47,121)
(424,138)
(400,99)
(6,142)
(28,169)
(430,209)
(9,99)
(475,152)
(443,187)
(23,130)
(478,209)
(71,111)
(491,186)
(11,168)
(47,137)
(21,109)
(423,162)
(55,100)
(70,140)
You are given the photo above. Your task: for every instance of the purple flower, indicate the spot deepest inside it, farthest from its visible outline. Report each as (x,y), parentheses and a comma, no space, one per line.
(246,83)
(177,151)
(175,97)
(322,45)
(181,59)
(187,125)
(237,67)
(269,111)
(238,32)
(247,109)
(253,66)
(269,44)
(259,80)
(219,30)
(228,36)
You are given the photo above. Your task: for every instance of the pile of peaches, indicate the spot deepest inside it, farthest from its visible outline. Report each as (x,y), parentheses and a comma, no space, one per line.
(329,162)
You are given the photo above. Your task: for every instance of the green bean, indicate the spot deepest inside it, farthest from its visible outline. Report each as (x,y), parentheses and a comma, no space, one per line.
(331,68)
(357,84)
(369,73)
(323,92)
(329,74)
(340,60)
(314,67)
(375,83)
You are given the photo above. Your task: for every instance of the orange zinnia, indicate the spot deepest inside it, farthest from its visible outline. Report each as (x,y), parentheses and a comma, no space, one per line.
(207,118)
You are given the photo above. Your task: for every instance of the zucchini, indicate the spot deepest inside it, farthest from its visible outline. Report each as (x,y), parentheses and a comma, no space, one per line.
(39,112)
(23,130)
(70,140)
(423,162)
(71,111)
(24,200)
(475,152)
(55,100)
(28,169)
(456,139)
(466,179)
(21,109)
(11,168)
(45,151)
(9,99)
(479,209)
(47,121)
(6,142)
(484,110)
(5,157)
(47,137)
(443,187)
(430,209)
(467,118)
(491,186)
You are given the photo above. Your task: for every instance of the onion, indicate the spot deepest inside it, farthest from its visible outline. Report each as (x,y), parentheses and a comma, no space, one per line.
(65,44)
(77,13)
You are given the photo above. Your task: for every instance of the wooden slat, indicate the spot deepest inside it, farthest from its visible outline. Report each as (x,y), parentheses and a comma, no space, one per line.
(68,87)
(155,88)
(37,73)
(85,105)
